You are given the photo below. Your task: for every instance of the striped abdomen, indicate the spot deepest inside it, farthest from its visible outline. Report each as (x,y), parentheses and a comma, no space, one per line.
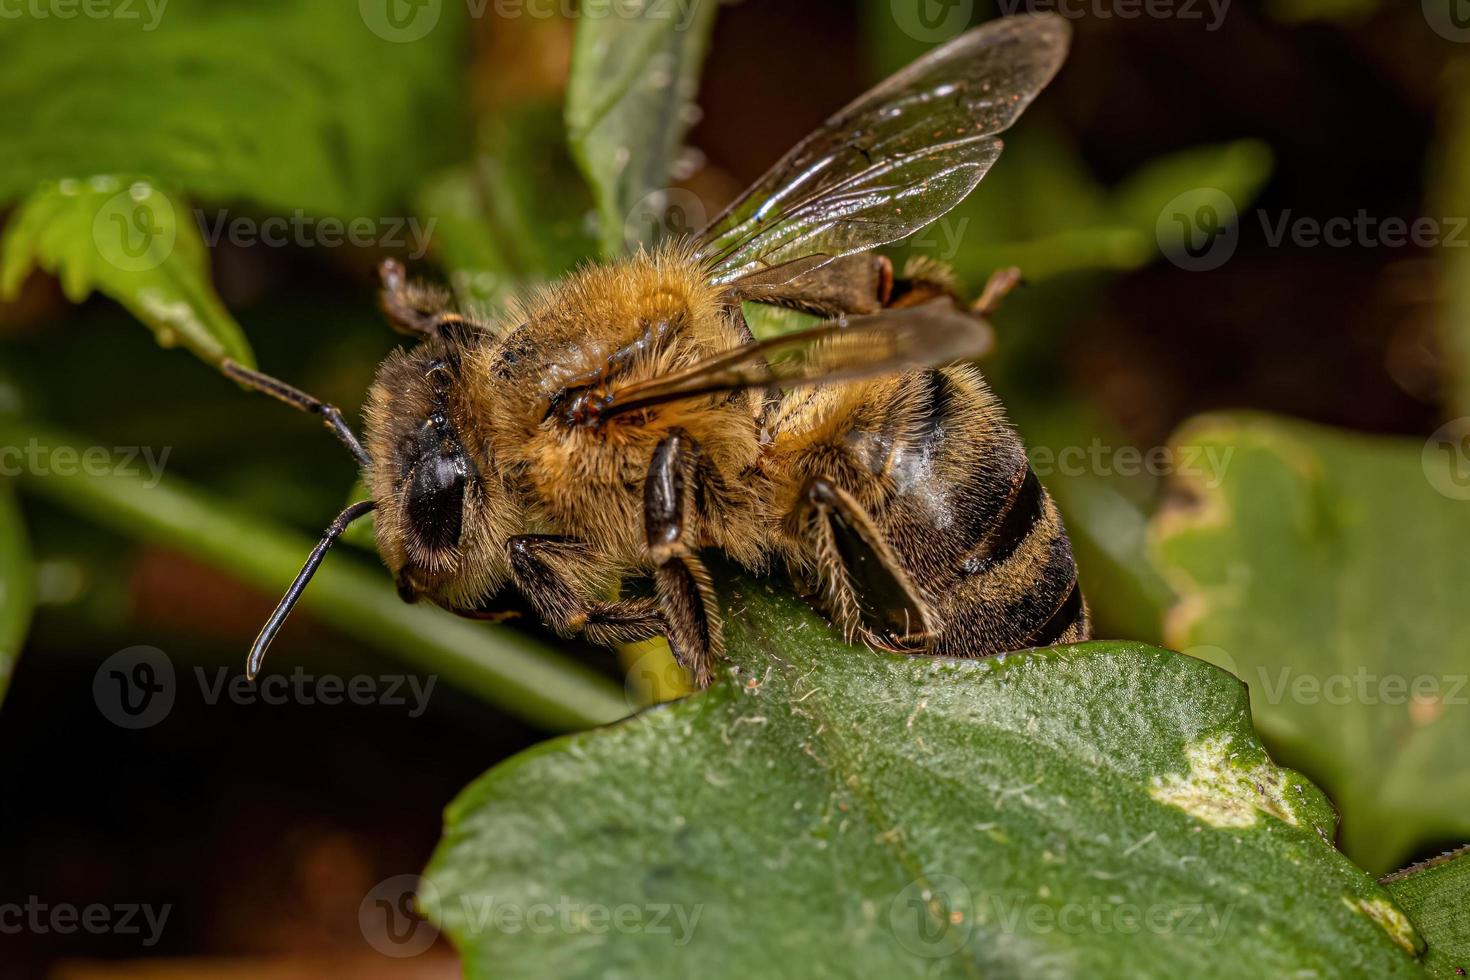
(946,482)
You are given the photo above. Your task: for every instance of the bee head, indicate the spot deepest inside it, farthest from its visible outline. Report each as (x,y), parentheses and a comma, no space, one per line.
(439,504)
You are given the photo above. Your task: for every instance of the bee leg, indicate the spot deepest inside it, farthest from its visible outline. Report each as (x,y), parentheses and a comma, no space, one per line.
(541,566)
(488,615)
(686,594)
(412,307)
(859,283)
(997,288)
(867,592)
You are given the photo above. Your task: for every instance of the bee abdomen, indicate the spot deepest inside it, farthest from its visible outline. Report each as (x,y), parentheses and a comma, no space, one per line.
(1017,586)
(948,487)
(998,567)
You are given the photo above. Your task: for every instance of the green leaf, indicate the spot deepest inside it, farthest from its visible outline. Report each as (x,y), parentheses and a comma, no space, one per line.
(321,106)
(307,109)
(1103,811)
(17,583)
(1436,895)
(1327,570)
(134,241)
(629,102)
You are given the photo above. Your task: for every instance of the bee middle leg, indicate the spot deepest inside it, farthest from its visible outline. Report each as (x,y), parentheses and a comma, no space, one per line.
(866,590)
(543,566)
(685,591)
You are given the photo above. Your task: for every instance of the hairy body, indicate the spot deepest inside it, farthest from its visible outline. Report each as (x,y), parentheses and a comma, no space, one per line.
(928,474)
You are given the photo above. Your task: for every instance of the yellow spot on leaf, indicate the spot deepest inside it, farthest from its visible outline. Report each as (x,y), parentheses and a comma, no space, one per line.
(1221,793)
(1394,922)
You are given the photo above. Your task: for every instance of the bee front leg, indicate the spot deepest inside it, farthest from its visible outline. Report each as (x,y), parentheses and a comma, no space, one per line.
(542,567)
(686,594)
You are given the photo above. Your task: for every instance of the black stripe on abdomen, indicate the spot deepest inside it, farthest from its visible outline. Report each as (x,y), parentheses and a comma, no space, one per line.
(1023,511)
(1067,615)
(1027,615)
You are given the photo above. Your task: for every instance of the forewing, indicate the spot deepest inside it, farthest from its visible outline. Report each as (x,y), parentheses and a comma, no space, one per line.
(894,160)
(889,342)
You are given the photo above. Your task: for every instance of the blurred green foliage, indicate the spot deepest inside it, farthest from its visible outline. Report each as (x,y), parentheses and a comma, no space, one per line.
(1314,565)
(284,105)
(516,215)
(629,103)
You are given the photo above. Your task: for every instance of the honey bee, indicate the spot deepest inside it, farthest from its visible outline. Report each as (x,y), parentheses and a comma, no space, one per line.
(623,421)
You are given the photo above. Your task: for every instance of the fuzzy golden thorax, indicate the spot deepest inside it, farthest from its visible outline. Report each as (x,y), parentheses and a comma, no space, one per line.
(483,421)
(603,327)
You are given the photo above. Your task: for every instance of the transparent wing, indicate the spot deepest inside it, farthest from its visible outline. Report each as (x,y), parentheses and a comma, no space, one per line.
(889,342)
(895,159)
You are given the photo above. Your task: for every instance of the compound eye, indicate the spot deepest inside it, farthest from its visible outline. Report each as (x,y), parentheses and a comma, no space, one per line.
(436,501)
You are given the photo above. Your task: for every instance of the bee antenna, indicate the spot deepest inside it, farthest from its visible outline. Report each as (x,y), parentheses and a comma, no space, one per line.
(288,601)
(330,415)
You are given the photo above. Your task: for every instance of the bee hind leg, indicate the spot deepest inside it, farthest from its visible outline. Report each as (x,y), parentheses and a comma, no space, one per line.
(865,589)
(686,593)
(542,565)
